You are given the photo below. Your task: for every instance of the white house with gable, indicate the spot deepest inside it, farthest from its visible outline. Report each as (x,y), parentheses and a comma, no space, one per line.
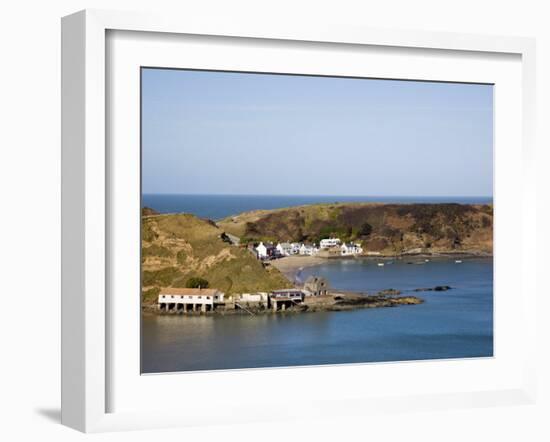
(284,248)
(350,249)
(265,250)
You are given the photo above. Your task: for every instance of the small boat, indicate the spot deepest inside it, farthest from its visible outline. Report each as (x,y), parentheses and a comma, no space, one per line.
(380,264)
(458,261)
(426,260)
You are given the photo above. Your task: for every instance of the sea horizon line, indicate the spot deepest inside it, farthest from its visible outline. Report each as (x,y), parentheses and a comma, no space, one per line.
(318,195)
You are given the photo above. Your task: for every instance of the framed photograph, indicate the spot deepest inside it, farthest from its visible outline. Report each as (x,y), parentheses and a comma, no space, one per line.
(280,221)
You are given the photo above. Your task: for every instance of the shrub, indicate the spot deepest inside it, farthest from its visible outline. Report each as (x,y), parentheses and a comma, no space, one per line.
(195,282)
(365,229)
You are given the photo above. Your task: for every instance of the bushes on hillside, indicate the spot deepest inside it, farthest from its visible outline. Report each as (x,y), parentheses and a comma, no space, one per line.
(196,282)
(365,229)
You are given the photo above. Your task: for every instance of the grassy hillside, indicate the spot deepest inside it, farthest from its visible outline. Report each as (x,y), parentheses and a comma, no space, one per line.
(385,228)
(178,247)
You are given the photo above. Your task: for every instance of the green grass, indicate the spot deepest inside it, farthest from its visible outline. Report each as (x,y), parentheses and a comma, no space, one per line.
(156,250)
(232,269)
(150,296)
(162,277)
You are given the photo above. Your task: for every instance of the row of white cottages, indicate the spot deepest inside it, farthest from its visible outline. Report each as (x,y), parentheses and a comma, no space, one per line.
(269,250)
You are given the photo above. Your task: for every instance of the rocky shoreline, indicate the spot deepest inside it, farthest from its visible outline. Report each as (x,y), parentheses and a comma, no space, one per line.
(333,302)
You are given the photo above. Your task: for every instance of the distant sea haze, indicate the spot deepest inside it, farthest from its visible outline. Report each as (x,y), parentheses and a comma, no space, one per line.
(220,206)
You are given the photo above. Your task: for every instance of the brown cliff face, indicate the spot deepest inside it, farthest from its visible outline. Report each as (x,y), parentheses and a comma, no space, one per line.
(383,228)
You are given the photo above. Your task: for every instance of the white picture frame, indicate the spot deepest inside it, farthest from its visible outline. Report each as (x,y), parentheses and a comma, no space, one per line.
(86,207)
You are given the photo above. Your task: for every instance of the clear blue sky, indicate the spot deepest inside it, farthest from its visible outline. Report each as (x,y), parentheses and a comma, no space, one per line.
(233,133)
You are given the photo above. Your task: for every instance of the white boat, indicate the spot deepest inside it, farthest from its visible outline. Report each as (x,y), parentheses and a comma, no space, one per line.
(427,260)
(458,261)
(380,264)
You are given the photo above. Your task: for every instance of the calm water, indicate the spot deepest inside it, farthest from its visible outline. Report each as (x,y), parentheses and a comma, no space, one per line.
(453,324)
(220,206)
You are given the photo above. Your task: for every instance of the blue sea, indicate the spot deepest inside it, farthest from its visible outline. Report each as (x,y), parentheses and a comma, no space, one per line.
(220,206)
(457,323)
(452,324)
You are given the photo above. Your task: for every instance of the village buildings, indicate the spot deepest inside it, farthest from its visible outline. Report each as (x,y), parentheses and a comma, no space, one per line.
(284,249)
(295,248)
(270,251)
(188,300)
(306,249)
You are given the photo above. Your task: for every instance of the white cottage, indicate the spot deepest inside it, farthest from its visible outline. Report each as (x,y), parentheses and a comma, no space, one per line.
(284,249)
(350,249)
(265,250)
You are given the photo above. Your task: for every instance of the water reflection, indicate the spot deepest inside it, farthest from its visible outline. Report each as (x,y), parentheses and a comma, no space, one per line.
(457,323)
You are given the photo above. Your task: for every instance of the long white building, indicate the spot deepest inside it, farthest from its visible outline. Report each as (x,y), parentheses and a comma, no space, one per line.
(330,242)
(187,300)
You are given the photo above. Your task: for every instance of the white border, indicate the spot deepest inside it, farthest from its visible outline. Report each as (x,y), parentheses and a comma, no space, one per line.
(127,51)
(83,283)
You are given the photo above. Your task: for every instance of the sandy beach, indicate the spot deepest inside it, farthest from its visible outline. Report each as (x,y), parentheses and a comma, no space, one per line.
(291,265)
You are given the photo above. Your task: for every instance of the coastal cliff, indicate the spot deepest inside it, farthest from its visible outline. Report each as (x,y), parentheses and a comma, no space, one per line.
(177,248)
(387,229)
